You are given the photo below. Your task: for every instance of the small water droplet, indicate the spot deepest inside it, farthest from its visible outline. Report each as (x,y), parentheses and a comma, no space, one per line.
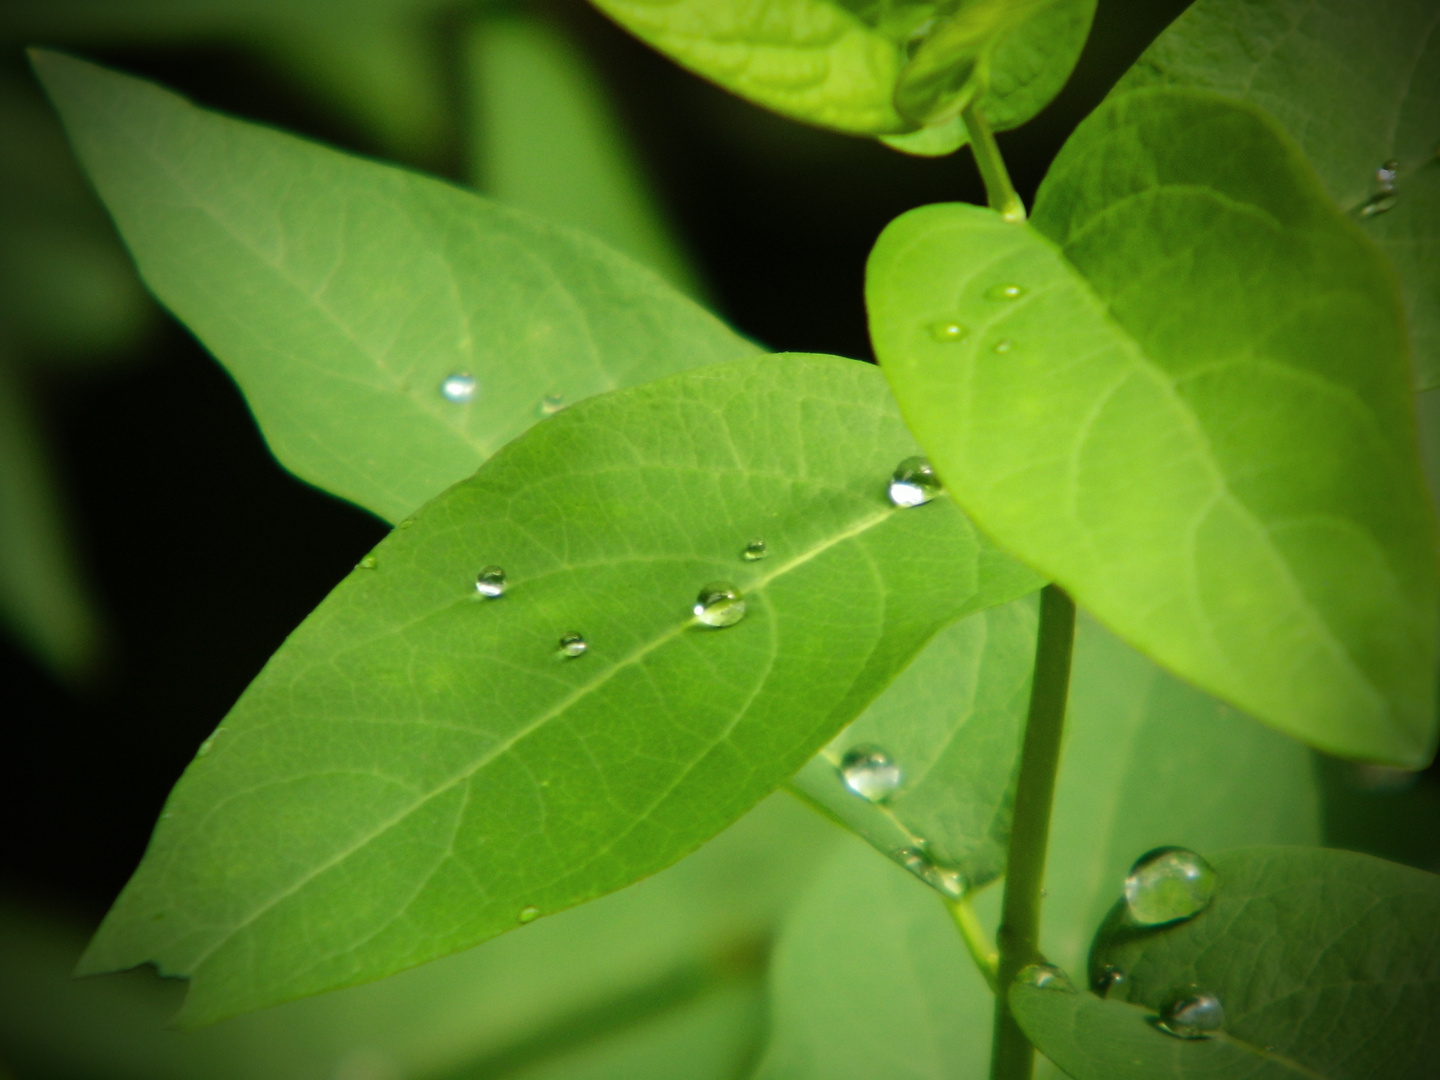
(719,605)
(367,563)
(205,747)
(1191,1013)
(1045,977)
(1004,345)
(870,772)
(945,331)
(550,404)
(490,582)
(529,913)
(1005,292)
(754,551)
(914,482)
(459,387)
(406,523)
(943,879)
(1385,175)
(571,645)
(1167,885)
(1110,980)
(1377,204)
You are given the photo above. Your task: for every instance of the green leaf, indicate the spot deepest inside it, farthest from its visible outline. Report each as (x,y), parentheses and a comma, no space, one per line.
(952,722)
(341,293)
(417,769)
(546,139)
(1356,86)
(1184,396)
(1329,960)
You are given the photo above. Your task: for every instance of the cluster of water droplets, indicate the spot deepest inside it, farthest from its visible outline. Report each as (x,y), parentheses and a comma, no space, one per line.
(946,880)
(953,331)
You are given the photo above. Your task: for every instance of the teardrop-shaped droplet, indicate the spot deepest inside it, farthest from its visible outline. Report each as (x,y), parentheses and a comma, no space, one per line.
(914,482)
(949,331)
(1005,292)
(459,387)
(1004,345)
(944,880)
(1109,980)
(529,913)
(571,645)
(1192,1013)
(1379,203)
(205,747)
(550,404)
(754,551)
(367,563)
(1045,977)
(1167,885)
(490,582)
(719,605)
(871,773)
(1385,175)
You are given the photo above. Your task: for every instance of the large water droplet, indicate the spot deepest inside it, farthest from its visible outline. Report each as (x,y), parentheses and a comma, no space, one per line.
(914,482)
(550,404)
(1110,980)
(754,551)
(490,582)
(367,563)
(571,645)
(1379,203)
(1191,1013)
(946,331)
(1045,977)
(529,913)
(871,773)
(459,387)
(1167,885)
(1005,292)
(719,604)
(943,879)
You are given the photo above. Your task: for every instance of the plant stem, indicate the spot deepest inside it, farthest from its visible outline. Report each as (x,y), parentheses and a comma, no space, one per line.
(1011,1055)
(998,189)
(976,940)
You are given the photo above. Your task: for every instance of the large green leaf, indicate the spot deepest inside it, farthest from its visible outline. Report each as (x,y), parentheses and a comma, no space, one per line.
(1148,760)
(1356,85)
(418,769)
(1184,395)
(1327,963)
(951,723)
(341,293)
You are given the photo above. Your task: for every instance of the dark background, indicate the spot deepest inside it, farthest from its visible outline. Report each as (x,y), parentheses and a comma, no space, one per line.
(205,554)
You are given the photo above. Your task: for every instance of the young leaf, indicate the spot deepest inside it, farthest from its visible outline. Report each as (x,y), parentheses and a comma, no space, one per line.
(343,295)
(1329,960)
(1358,87)
(1184,395)
(950,725)
(420,768)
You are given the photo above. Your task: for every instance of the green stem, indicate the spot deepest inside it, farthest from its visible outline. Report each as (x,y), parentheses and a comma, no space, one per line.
(1011,1056)
(998,189)
(976,940)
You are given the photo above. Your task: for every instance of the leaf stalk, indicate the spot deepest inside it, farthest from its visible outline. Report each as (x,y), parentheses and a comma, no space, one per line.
(999,191)
(977,941)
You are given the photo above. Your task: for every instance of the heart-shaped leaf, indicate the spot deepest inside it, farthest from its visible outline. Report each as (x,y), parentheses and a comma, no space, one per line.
(1184,395)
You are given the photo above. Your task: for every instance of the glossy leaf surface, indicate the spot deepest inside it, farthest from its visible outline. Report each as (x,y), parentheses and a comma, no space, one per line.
(341,293)
(419,769)
(1327,964)
(951,722)
(1357,86)
(1184,395)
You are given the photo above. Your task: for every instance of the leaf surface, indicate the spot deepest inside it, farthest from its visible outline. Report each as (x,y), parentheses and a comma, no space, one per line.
(417,769)
(341,293)
(1183,394)
(952,722)
(1356,85)
(1327,964)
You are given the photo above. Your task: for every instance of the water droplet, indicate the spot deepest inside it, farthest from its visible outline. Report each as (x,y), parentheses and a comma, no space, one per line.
(1004,345)
(943,879)
(206,747)
(1167,885)
(459,387)
(550,404)
(870,772)
(1191,1013)
(529,913)
(719,604)
(367,563)
(1110,980)
(1045,977)
(754,551)
(571,645)
(1385,175)
(406,523)
(1005,292)
(914,482)
(490,582)
(1377,204)
(949,331)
